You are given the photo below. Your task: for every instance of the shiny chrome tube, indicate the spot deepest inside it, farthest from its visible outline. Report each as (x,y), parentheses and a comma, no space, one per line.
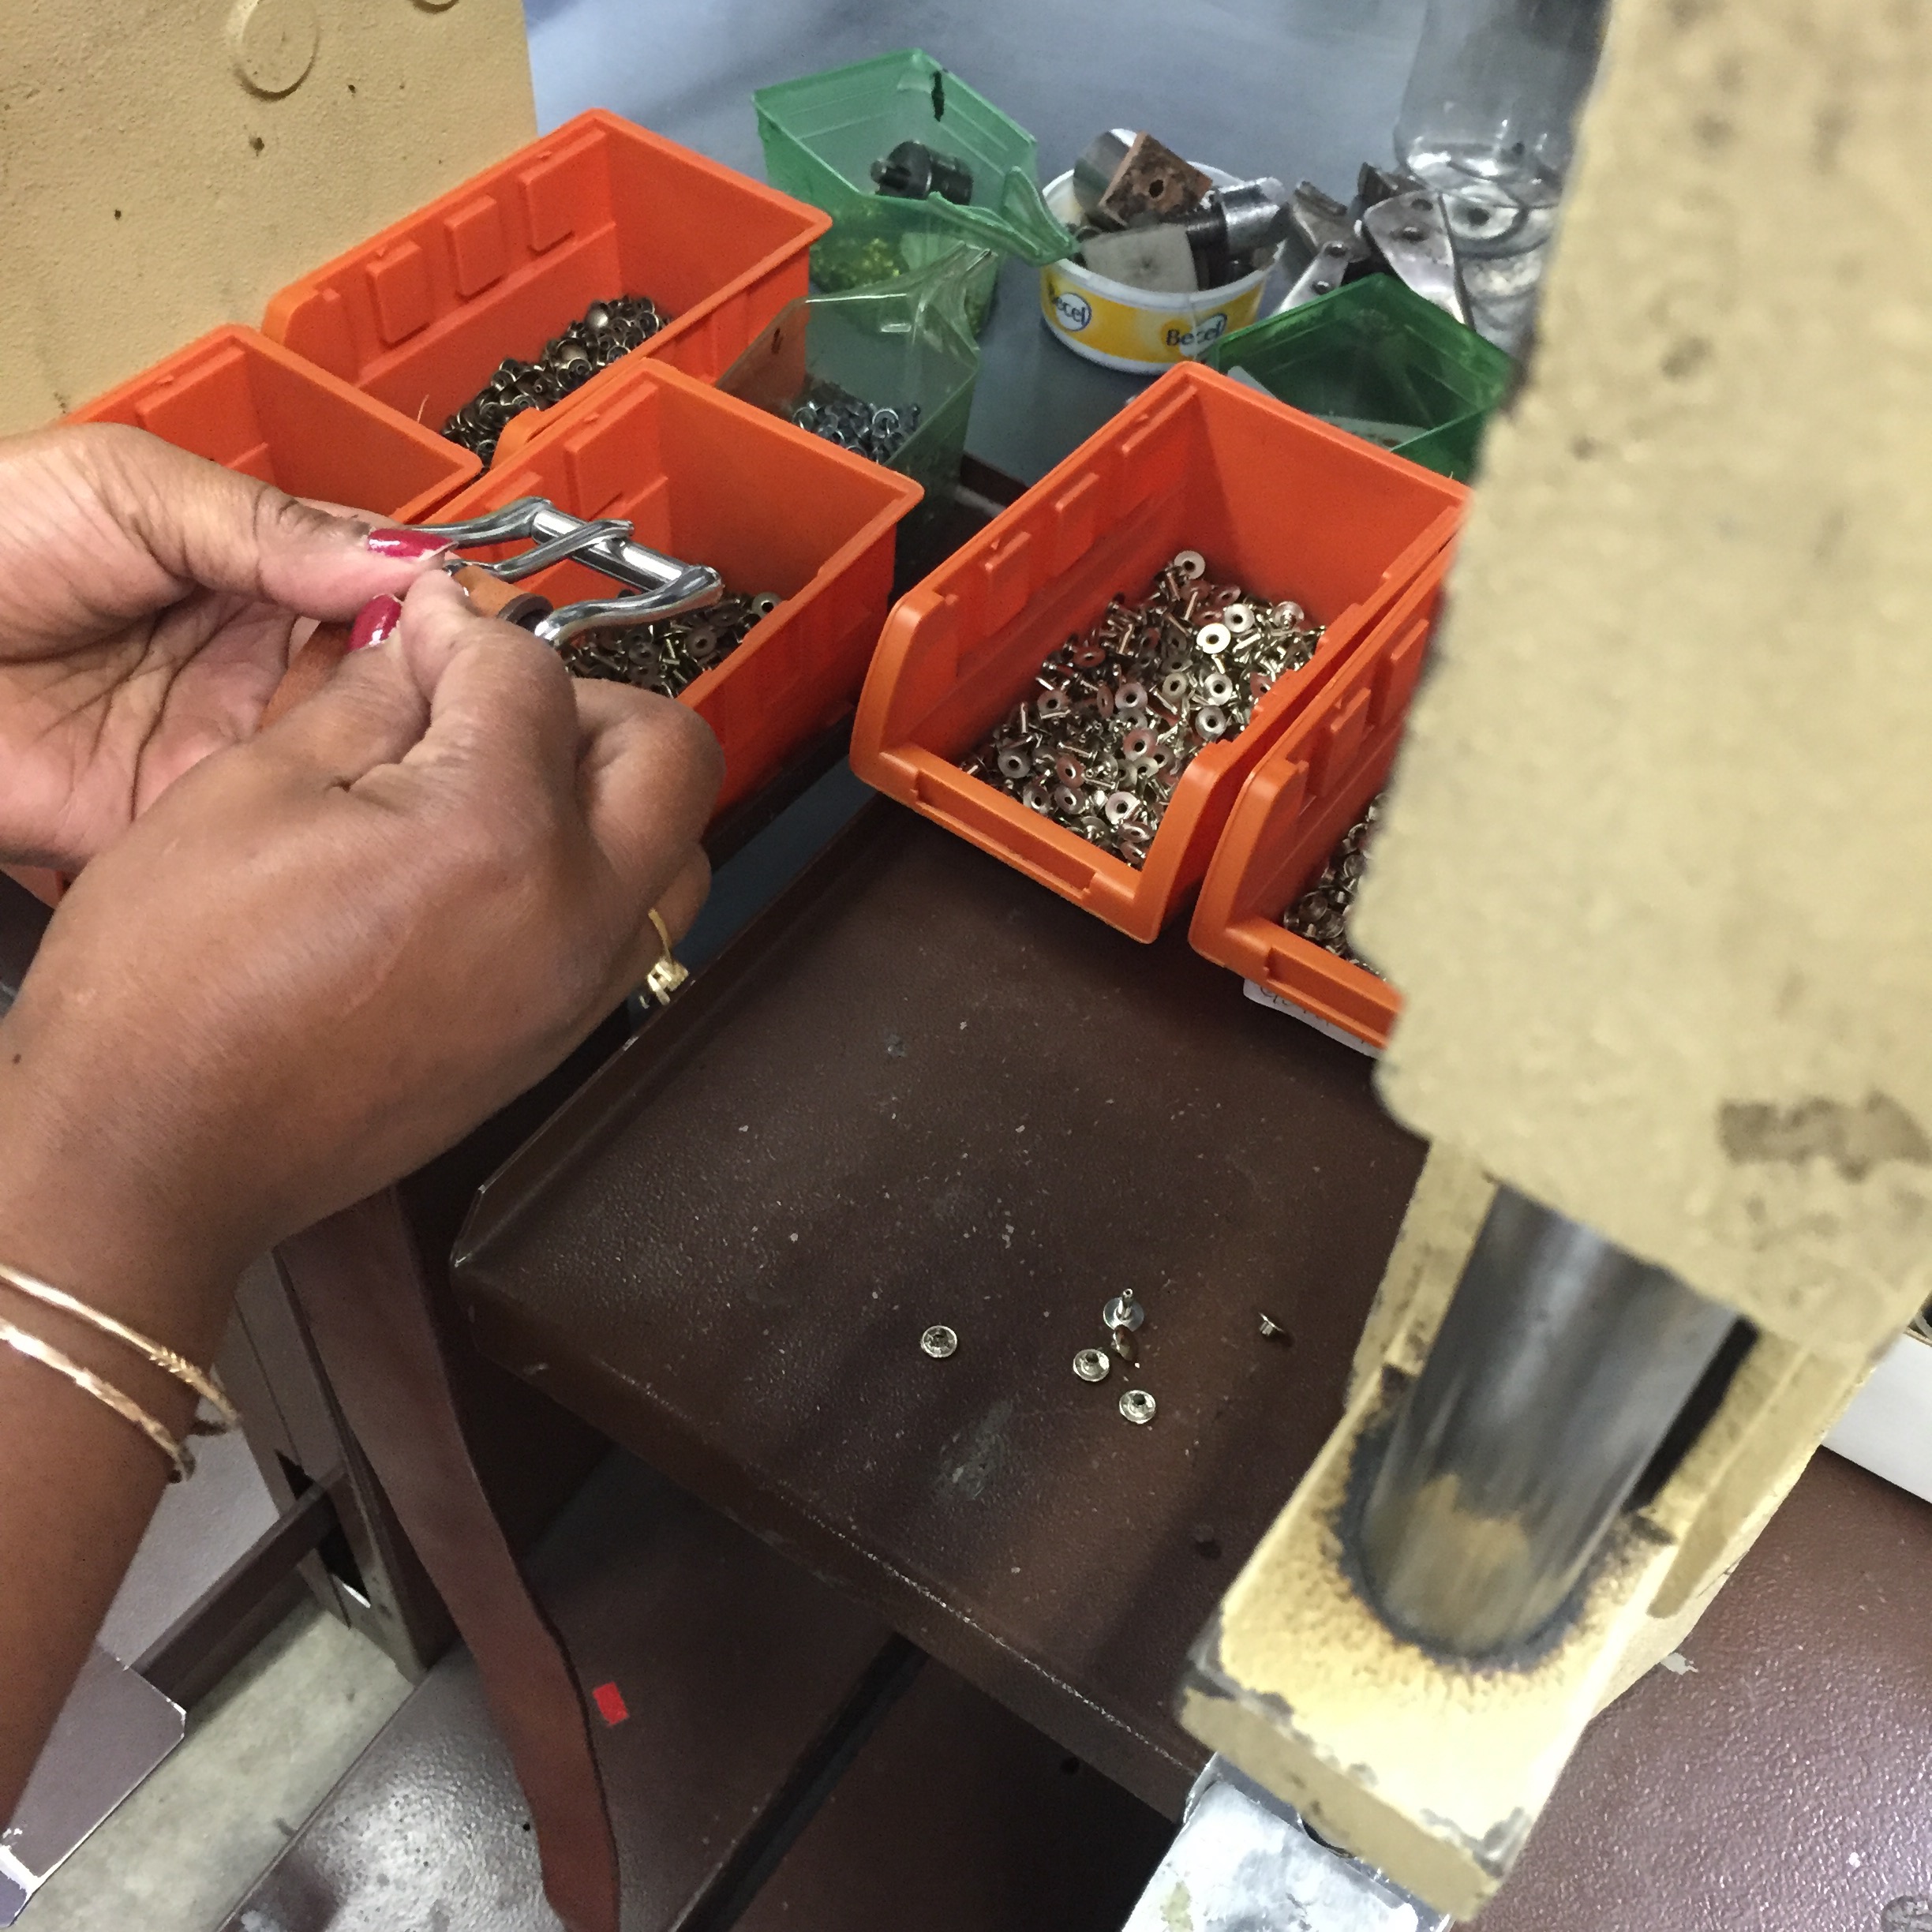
(1558,1369)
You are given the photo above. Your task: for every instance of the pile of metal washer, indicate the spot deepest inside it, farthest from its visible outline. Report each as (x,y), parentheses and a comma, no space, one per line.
(604,332)
(1117,714)
(874,429)
(1321,914)
(665,657)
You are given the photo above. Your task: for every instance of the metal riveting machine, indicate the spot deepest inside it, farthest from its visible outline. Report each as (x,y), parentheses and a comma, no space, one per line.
(1681,1173)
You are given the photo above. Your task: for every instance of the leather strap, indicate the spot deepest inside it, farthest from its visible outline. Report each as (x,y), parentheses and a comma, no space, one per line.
(309,670)
(370,1307)
(372,1310)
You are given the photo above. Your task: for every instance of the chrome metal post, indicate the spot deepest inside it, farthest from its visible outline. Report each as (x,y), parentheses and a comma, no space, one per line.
(1559,1367)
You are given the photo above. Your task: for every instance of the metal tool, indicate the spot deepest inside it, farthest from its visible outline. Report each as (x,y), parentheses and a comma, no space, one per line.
(1317,220)
(1324,275)
(1412,230)
(1151,183)
(1394,224)
(1130,183)
(1098,163)
(1244,1861)
(659,586)
(912,171)
(1232,223)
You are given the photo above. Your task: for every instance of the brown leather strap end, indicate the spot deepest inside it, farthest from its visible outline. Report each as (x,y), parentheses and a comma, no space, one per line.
(315,663)
(309,669)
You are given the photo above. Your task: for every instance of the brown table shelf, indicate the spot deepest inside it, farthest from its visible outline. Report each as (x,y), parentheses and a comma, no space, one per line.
(922,1090)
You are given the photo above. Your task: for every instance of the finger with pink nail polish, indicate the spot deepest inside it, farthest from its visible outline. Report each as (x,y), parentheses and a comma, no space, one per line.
(405,546)
(375,621)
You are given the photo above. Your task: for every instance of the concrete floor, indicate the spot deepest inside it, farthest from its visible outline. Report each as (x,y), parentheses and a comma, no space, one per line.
(262,1751)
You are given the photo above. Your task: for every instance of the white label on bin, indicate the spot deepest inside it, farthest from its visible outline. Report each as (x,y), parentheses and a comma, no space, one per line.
(1262,997)
(1075,312)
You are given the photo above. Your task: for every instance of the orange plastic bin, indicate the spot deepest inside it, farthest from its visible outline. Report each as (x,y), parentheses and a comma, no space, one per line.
(420,315)
(710,480)
(1287,505)
(1307,792)
(238,399)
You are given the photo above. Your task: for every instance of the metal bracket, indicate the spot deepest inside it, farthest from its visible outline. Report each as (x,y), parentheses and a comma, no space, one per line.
(1411,230)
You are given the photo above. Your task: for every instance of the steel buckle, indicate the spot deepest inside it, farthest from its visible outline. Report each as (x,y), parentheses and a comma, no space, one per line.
(658,586)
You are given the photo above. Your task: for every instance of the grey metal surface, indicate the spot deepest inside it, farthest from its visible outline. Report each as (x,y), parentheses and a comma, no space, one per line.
(1559,1370)
(1243,1861)
(113,1729)
(1289,87)
(203,1527)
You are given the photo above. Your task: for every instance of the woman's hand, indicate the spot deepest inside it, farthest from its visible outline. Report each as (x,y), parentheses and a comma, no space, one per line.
(326,953)
(148,605)
(316,961)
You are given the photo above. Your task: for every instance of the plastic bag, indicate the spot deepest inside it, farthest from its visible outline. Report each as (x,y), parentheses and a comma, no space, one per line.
(902,348)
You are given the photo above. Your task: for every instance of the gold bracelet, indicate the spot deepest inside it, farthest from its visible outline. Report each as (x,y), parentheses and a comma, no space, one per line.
(125,1406)
(669,973)
(158,1353)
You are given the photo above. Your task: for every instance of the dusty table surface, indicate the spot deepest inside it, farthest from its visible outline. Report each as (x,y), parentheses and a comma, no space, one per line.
(942,1095)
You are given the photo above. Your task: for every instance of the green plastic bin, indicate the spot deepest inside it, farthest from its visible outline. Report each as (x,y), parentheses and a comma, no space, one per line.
(822,133)
(1377,359)
(897,343)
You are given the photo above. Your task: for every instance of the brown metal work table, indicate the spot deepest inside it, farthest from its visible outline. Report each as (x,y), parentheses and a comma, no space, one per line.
(920,1089)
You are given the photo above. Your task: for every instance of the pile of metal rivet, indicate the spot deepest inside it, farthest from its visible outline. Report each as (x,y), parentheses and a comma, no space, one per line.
(1321,914)
(874,429)
(606,331)
(1120,1317)
(665,657)
(1117,714)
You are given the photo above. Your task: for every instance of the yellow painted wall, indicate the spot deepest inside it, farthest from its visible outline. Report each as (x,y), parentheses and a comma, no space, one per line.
(165,165)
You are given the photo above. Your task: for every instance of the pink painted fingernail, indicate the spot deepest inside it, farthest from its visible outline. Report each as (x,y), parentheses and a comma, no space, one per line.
(406,546)
(376,620)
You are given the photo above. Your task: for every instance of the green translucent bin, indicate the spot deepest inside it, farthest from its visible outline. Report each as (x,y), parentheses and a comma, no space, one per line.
(897,343)
(1375,359)
(821,135)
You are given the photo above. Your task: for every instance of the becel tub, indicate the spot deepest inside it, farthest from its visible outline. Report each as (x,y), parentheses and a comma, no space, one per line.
(1124,327)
